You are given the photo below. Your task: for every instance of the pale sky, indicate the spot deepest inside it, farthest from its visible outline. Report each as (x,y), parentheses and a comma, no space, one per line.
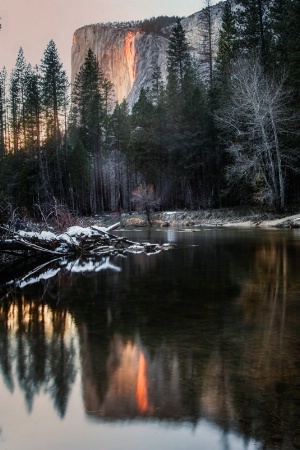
(31,24)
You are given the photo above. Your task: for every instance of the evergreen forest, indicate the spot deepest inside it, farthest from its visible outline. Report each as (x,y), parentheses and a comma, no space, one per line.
(228,139)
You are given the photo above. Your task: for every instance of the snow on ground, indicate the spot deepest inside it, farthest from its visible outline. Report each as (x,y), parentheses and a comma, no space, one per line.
(71,232)
(43,236)
(69,236)
(81,231)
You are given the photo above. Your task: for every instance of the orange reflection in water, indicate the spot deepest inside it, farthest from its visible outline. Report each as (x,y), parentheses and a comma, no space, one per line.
(128,391)
(142,386)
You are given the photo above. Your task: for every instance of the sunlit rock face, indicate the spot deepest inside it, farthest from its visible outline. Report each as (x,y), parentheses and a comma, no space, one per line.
(127,56)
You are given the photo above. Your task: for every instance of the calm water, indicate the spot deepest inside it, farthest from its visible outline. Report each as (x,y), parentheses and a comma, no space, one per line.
(192,348)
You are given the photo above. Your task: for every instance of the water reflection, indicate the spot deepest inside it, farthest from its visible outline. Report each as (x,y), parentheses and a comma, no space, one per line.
(139,385)
(269,364)
(215,340)
(37,343)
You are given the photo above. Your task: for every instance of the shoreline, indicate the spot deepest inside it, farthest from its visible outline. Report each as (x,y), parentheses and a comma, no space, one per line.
(219,218)
(228,218)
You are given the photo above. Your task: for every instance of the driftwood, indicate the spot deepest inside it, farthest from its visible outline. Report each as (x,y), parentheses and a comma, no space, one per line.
(42,255)
(92,241)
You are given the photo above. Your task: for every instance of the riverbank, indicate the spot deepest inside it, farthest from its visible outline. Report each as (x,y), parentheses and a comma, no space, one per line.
(234,218)
(203,218)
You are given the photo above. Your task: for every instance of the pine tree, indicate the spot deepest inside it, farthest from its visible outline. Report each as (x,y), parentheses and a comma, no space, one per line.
(227,45)
(2,112)
(209,40)
(279,20)
(293,46)
(188,135)
(285,19)
(88,121)
(226,54)
(178,64)
(54,89)
(32,109)
(142,150)
(16,90)
(253,31)
(79,171)
(121,128)
(107,89)
(290,63)
(21,70)
(178,57)
(54,86)
(157,86)
(14,104)
(119,168)
(142,110)
(88,107)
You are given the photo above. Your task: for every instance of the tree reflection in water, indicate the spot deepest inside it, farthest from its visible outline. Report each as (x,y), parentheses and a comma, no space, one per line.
(270,351)
(231,358)
(37,341)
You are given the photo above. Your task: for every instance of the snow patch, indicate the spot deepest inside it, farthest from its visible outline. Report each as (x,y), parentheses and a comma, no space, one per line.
(79,231)
(136,249)
(44,235)
(68,236)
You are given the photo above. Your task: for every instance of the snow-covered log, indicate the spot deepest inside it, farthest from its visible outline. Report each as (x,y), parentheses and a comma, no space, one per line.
(76,241)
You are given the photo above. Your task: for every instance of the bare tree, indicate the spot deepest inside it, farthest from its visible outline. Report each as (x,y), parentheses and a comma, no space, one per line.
(145,199)
(254,121)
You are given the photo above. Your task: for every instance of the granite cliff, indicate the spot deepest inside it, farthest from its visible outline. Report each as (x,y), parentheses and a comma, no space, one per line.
(127,55)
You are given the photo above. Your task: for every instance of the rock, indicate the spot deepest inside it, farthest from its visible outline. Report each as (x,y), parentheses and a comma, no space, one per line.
(128,56)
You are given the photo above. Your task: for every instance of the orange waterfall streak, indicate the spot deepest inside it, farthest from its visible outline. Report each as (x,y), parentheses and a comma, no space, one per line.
(129,50)
(142,386)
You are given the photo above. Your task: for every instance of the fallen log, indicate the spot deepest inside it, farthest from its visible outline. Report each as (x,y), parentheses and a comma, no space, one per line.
(76,241)
(113,227)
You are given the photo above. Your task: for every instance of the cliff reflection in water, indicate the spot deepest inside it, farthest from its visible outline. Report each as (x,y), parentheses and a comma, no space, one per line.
(232,358)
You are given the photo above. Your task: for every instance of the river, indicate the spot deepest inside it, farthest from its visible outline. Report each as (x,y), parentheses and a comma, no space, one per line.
(197,347)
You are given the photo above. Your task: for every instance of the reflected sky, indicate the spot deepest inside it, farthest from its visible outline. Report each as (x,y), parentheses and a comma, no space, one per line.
(43,429)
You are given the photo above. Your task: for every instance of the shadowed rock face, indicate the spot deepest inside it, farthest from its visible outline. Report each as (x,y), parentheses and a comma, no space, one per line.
(127,56)
(151,51)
